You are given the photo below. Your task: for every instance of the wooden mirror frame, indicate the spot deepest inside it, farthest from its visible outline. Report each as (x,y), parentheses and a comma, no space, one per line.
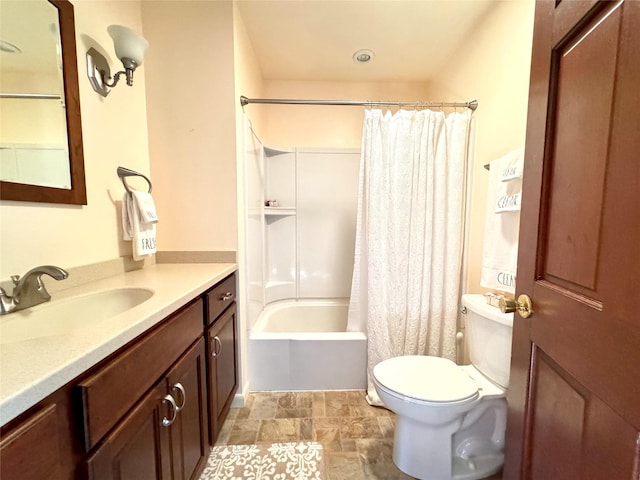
(77,194)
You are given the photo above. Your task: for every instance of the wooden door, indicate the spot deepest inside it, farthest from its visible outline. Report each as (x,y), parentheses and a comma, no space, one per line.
(138,448)
(223,361)
(574,396)
(189,432)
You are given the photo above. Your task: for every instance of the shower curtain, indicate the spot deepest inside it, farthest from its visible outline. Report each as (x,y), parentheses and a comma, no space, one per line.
(409,234)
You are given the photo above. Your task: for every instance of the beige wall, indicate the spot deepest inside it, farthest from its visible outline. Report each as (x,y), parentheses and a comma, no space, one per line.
(32,121)
(492,66)
(248,77)
(325,126)
(114,133)
(248,82)
(191,112)
(191,105)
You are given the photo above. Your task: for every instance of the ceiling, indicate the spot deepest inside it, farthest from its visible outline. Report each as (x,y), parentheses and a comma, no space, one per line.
(32,27)
(316,39)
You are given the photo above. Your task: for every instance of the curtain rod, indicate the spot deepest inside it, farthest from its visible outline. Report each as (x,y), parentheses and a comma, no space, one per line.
(245,101)
(36,96)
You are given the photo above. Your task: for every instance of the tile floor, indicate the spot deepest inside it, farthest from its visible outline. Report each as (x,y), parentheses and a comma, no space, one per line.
(357,438)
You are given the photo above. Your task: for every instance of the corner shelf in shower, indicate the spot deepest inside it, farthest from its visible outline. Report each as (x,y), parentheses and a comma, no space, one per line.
(271,151)
(275,290)
(279,211)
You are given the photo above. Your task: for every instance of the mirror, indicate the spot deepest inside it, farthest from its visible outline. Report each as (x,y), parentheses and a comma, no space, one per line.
(41,155)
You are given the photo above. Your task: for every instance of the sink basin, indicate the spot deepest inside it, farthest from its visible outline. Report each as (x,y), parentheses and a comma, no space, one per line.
(65,316)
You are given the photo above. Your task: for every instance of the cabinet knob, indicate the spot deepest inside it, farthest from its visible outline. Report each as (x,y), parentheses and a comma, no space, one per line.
(216,348)
(167,422)
(226,296)
(183,395)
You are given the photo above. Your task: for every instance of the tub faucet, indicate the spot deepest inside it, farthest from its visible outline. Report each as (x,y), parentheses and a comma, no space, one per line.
(29,290)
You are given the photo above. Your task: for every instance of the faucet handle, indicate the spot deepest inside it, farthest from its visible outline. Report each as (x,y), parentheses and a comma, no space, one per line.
(15,279)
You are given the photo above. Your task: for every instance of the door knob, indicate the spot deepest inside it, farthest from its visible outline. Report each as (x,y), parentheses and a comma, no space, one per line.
(523,305)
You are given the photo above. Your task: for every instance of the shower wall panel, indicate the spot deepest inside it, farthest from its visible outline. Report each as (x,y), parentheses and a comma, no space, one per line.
(280,226)
(255,187)
(326,210)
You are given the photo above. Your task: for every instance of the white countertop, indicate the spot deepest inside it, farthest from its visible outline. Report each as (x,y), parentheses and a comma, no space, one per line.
(32,369)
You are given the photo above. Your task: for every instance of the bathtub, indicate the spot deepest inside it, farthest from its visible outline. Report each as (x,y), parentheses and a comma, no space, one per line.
(304,345)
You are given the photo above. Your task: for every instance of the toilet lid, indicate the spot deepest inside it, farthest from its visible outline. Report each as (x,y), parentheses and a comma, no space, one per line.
(431,379)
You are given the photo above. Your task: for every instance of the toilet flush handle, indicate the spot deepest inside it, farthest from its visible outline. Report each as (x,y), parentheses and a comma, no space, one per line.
(523,305)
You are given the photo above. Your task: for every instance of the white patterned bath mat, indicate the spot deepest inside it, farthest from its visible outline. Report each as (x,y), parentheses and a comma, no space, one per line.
(276,461)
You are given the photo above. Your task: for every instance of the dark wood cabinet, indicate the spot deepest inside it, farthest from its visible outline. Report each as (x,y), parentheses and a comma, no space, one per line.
(113,389)
(147,412)
(138,448)
(165,435)
(222,358)
(189,432)
(43,442)
(17,449)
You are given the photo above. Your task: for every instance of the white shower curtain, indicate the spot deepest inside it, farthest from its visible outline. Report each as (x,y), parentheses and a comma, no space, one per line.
(409,234)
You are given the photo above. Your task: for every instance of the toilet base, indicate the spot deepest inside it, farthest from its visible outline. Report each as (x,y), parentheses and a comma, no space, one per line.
(463,469)
(410,454)
(477,468)
(441,461)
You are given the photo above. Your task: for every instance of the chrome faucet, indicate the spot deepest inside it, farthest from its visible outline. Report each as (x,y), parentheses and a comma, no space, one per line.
(29,290)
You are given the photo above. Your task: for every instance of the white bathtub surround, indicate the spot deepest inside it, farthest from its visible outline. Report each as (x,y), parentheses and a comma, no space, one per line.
(296,256)
(409,235)
(304,247)
(304,345)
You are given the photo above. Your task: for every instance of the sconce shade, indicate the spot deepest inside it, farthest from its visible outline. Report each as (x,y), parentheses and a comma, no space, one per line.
(127,43)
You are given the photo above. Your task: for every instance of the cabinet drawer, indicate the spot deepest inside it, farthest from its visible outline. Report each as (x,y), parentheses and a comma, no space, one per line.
(220,297)
(110,392)
(154,440)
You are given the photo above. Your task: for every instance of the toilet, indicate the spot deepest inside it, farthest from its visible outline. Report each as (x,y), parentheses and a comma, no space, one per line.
(451,419)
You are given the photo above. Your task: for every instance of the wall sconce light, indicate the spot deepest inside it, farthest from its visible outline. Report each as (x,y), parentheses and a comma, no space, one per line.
(129,46)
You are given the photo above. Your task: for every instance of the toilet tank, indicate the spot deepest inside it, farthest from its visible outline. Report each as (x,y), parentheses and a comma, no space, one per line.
(488,332)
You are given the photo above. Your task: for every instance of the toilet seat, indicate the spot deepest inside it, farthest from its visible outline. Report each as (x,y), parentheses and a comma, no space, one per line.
(425,379)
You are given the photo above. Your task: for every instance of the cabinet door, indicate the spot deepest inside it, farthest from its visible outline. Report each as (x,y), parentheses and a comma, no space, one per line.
(223,378)
(187,384)
(116,387)
(38,436)
(138,448)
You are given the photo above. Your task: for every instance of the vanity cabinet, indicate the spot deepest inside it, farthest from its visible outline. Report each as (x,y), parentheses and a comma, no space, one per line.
(160,434)
(139,447)
(17,448)
(164,436)
(43,442)
(188,433)
(116,387)
(222,354)
(149,411)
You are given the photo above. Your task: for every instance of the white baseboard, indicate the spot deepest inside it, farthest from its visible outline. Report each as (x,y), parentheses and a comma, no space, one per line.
(240,397)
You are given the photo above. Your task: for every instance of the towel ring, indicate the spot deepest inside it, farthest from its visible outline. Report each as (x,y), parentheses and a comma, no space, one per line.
(126,172)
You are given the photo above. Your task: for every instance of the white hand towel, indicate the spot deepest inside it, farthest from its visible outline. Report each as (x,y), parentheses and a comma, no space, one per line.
(146,207)
(508,190)
(141,232)
(502,223)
